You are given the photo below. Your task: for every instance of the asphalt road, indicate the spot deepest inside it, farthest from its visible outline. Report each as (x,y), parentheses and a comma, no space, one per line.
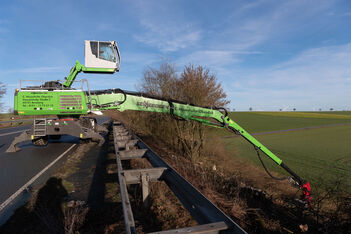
(16,169)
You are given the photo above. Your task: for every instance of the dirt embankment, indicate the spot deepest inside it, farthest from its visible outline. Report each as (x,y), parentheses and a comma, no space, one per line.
(248,195)
(83,196)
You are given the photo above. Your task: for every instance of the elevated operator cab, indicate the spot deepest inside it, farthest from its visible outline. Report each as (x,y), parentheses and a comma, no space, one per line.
(102,54)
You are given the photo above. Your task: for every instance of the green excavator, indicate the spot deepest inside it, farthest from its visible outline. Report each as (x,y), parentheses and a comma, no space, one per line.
(71,105)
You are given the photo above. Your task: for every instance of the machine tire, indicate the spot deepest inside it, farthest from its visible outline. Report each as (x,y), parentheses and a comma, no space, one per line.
(41,141)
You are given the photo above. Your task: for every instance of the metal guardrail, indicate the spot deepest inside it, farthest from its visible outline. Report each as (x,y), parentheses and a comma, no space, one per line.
(209,217)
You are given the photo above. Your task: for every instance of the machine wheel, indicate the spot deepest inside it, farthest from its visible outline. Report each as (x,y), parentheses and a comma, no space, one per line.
(41,141)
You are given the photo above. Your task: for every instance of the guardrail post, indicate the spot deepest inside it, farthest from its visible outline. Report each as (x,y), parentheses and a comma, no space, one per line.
(145,189)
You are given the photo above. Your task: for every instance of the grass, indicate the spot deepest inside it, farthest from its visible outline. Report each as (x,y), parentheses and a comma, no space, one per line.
(7,117)
(255,122)
(68,186)
(313,154)
(314,115)
(333,112)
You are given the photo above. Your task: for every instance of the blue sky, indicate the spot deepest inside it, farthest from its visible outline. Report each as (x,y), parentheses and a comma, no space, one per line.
(267,54)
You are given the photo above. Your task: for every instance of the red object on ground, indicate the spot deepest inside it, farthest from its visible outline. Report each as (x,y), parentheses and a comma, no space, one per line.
(63,120)
(306,190)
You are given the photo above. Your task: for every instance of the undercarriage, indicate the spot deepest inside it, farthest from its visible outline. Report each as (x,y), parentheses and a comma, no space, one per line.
(43,129)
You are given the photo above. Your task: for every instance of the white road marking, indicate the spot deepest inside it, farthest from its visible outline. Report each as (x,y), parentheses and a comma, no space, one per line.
(31,181)
(9,133)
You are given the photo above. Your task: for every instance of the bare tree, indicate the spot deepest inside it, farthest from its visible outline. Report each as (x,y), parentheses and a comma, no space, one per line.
(200,87)
(160,82)
(2,93)
(196,85)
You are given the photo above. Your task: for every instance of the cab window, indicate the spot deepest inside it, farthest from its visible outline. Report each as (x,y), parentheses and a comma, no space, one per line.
(94,48)
(106,52)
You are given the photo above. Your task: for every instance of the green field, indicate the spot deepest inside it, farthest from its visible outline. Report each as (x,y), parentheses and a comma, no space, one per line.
(4,117)
(7,117)
(313,153)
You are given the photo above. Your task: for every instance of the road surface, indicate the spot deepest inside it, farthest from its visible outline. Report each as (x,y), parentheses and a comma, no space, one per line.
(17,169)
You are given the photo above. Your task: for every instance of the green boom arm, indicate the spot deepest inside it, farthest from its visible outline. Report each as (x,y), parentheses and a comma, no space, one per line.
(122,100)
(78,67)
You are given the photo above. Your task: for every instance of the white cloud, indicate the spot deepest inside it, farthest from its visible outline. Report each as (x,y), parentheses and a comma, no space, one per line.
(168,38)
(34,70)
(255,23)
(140,58)
(214,58)
(164,28)
(209,58)
(249,27)
(169,41)
(326,65)
(11,85)
(320,76)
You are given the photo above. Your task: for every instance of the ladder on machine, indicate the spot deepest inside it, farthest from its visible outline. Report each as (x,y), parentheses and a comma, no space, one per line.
(39,127)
